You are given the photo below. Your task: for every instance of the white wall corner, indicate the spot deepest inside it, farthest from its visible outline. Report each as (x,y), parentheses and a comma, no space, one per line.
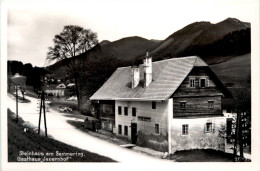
(170,116)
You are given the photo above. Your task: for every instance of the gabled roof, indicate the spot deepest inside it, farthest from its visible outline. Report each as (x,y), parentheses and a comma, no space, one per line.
(167,77)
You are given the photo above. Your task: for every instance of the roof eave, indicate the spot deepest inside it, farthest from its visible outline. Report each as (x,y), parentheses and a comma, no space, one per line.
(129,99)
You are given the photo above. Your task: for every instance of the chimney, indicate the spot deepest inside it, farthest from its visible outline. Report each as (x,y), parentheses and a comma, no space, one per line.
(135,72)
(147,69)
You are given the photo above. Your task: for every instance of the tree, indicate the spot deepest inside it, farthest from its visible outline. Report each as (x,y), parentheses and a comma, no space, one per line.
(240,131)
(71,42)
(242,106)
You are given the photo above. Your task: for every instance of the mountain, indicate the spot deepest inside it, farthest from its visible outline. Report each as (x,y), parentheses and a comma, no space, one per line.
(124,50)
(218,31)
(225,46)
(127,48)
(156,41)
(104,42)
(215,43)
(198,37)
(179,40)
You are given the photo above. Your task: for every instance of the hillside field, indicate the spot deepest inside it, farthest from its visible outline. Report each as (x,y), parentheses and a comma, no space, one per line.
(236,70)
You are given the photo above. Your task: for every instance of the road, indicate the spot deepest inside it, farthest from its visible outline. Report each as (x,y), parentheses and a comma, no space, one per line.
(62,131)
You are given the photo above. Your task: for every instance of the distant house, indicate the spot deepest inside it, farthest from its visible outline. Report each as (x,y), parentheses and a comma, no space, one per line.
(61,86)
(70,85)
(58,91)
(168,105)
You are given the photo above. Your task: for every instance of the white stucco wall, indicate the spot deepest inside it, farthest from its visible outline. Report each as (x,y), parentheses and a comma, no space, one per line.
(173,141)
(229,114)
(197,137)
(55,92)
(158,115)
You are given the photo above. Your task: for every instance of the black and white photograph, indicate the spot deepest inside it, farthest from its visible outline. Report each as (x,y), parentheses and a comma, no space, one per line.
(130,85)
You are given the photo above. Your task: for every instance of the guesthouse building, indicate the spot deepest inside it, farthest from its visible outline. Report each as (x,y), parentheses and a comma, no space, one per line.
(168,105)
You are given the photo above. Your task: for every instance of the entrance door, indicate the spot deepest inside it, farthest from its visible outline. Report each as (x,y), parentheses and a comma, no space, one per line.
(133,133)
(229,130)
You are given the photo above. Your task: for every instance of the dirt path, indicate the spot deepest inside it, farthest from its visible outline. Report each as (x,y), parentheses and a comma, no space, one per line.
(61,130)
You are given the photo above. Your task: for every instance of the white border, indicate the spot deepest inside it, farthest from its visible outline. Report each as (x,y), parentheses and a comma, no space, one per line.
(254,165)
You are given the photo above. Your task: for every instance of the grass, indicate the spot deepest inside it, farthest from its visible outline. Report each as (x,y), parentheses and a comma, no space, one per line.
(56,102)
(30,141)
(236,70)
(206,155)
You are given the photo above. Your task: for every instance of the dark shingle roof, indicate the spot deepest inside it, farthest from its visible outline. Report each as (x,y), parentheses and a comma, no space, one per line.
(167,77)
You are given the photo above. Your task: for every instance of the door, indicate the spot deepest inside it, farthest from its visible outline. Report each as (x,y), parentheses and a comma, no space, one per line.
(229,130)
(133,133)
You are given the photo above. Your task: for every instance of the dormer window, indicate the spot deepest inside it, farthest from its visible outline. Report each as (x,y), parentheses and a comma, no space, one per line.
(202,82)
(192,82)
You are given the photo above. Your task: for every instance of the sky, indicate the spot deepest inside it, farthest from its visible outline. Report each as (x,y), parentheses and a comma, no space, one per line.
(32,25)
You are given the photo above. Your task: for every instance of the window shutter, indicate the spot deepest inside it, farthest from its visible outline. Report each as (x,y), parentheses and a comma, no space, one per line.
(213,128)
(205,128)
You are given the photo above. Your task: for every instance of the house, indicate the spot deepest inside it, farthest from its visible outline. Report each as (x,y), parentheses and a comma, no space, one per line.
(61,86)
(169,105)
(71,85)
(58,92)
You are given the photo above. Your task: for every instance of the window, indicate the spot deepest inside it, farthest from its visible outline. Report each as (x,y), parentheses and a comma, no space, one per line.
(119,110)
(156,128)
(192,82)
(133,111)
(202,82)
(119,129)
(126,110)
(211,104)
(126,130)
(185,129)
(153,105)
(209,127)
(183,105)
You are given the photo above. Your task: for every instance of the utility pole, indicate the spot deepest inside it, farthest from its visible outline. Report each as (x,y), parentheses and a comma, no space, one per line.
(17,80)
(241,136)
(42,107)
(16,91)
(237,134)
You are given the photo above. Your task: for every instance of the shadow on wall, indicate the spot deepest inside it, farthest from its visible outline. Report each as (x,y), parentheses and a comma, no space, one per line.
(156,142)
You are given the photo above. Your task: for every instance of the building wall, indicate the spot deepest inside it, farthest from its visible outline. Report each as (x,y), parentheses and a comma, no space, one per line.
(197,98)
(197,137)
(195,106)
(197,74)
(56,92)
(107,110)
(146,129)
(107,125)
(171,117)
(229,114)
